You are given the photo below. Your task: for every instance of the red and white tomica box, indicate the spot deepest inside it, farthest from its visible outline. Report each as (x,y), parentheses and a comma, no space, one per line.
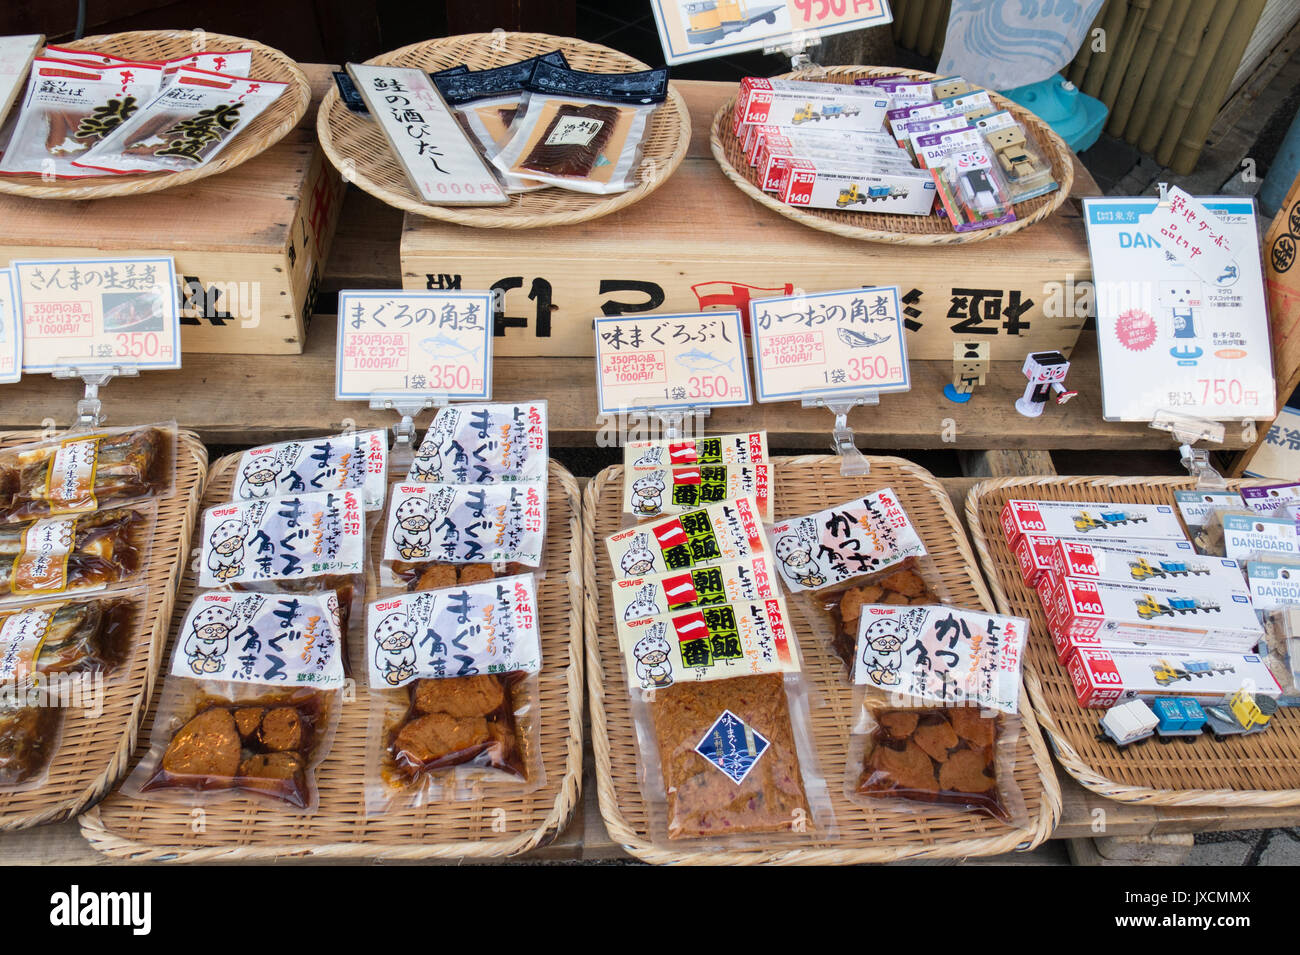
(778,102)
(1090,521)
(1106,676)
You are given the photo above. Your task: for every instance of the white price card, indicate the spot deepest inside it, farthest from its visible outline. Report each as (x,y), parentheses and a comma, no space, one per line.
(16,53)
(700,29)
(1193,235)
(442,164)
(396,344)
(98,313)
(11,331)
(831,343)
(668,362)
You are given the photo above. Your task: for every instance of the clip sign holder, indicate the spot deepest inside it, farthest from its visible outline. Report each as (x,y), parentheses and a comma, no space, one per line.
(1187,430)
(690,30)
(410,351)
(11,331)
(834,350)
(675,367)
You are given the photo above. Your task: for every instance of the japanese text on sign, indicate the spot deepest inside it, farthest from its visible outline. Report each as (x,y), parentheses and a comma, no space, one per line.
(11,331)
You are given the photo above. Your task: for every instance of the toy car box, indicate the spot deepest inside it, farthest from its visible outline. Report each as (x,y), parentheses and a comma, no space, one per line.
(777,152)
(1104,677)
(1139,561)
(819,185)
(779,102)
(1090,521)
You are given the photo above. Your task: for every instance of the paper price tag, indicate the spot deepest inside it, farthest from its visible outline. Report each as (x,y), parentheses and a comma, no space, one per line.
(691,360)
(698,31)
(97,313)
(847,343)
(11,331)
(1193,235)
(395,344)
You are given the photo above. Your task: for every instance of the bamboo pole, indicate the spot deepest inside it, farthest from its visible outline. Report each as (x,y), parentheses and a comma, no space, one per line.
(1189,91)
(1137,67)
(914,11)
(1145,106)
(937,30)
(1079,65)
(1113,24)
(1181,152)
(1193,43)
(1127,41)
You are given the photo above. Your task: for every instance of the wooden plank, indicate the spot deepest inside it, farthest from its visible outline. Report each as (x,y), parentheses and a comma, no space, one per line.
(993,464)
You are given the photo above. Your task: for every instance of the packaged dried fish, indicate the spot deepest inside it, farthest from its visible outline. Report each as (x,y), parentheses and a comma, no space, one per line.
(61,554)
(84,471)
(582,131)
(69,109)
(74,636)
(186,125)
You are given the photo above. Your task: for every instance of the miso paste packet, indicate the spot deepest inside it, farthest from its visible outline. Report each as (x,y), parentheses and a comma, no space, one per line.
(354,461)
(484,444)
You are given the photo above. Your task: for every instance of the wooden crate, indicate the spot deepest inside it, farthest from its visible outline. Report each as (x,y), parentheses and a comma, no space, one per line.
(699,242)
(250,245)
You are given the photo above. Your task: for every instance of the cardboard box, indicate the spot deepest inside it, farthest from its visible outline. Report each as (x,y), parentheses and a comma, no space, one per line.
(1092,521)
(1104,677)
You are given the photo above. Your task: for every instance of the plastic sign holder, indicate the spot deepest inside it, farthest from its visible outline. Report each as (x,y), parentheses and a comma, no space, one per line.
(90,410)
(853,463)
(405,432)
(672,421)
(1187,430)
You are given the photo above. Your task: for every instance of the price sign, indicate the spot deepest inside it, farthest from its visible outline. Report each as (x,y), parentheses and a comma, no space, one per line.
(393,344)
(667,362)
(97,313)
(701,29)
(11,331)
(1193,235)
(834,343)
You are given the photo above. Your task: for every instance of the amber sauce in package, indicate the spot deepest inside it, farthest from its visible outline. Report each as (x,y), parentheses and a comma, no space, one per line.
(582,131)
(75,553)
(187,124)
(454,694)
(937,703)
(250,704)
(71,108)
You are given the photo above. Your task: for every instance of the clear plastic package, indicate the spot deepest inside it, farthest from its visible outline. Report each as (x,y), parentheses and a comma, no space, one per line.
(970,183)
(1026,170)
(493,443)
(357,460)
(77,553)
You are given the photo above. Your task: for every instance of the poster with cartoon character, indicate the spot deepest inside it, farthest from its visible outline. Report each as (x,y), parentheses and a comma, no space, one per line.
(484,444)
(466,630)
(727,531)
(709,643)
(689,487)
(355,461)
(657,454)
(942,655)
(1182,323)
(849,540)
(283,538)
(466,523)
(265,638)
(732,582)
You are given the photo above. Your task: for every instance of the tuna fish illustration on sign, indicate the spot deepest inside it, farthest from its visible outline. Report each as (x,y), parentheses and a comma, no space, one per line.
(858,340)
(699,360)
(441,345)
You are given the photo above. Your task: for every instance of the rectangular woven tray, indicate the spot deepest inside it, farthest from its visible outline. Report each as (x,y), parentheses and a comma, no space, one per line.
(804,485)
(93,752)
(249,829)
(1260,770)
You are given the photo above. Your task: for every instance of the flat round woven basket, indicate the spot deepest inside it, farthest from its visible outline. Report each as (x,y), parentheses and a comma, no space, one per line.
(357,147)
(266,130)
(933,229)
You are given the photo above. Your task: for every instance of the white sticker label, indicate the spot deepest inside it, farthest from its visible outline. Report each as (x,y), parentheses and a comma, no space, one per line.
(574,131)
(484,444)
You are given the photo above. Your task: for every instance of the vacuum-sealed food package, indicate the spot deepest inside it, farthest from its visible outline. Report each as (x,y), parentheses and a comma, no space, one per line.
(908,584)
(730,530)
(29,738)
(652,454)
(453,675)
(186,125)
(251,701)
(464,524)
(56,555)
(83,472)
(357,460)
(753,578)
(484,444)
(88,635)
(676,490)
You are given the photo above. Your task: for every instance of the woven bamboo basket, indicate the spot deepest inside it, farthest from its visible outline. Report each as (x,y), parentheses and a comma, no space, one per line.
(93,751)
(803,485)
(266,130)
(1261,770)
(357,147)
(884,227)
(246,829)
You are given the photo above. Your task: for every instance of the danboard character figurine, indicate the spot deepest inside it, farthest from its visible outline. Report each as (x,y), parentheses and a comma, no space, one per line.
(1046,371)
(1183,300)
(970,366)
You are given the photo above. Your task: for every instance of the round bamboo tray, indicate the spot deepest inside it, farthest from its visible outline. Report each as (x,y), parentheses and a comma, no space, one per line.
(358,149)
(804,485)
(884,227)
(492,825)
(1260,771)
(94,750)
(266,130)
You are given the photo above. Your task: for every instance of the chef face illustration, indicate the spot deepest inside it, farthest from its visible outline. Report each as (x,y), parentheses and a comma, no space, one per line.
(645,604)
(209,639)
(639,559)
(653,667)
(796,555)
(413,533)
(226,558)
(648,494)
(394,649)
(883,654)
(428,460)
(650,457)
(260,477)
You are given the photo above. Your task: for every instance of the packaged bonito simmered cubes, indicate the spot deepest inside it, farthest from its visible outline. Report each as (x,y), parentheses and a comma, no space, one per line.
(846,541)
(691,486)
(731,530)
(753,578)
(466,523)
(745,448)
(358,460)
(283,538)
(484,444)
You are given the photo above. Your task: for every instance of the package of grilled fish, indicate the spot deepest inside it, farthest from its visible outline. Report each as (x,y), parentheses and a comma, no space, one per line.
(357,460)
(582,131)
(484,444)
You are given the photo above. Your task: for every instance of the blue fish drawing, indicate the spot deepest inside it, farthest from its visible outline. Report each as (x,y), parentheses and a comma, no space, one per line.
(858,340)
(699,360)
(441,344)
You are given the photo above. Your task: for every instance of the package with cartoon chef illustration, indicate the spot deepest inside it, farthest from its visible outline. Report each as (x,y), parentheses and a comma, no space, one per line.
(730,530)
(850,540)
(937,704)
(453,693)
(484,444)
(688,487)
(652,455)
(354,461)
(250,703)
(753,578)
(725,755)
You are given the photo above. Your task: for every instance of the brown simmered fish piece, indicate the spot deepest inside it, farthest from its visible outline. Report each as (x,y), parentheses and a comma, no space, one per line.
(208,745)
(282,729)
(439,739)
(248,719)
(573,158)
(27,738)
(86,637)
(460,696)
(125,467)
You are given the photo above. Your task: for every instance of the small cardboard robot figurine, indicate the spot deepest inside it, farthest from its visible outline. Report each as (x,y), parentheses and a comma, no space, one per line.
(970,365)
(1046,371)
